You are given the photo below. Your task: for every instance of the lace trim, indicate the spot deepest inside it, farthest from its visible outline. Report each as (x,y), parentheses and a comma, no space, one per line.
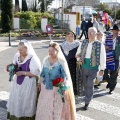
(48,65)
(66,46)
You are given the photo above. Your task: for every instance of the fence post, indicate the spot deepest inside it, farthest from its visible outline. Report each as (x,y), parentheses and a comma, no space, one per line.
(9,38)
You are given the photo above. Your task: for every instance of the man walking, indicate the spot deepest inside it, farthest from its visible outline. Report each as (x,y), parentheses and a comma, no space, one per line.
(91,54)
(88,25)
(83,28)
(111,71)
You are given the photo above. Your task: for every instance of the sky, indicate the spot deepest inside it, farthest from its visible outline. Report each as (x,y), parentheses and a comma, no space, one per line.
(111,0)
(57,3)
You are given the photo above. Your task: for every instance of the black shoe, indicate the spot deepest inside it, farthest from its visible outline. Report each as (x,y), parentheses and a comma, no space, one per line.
(107,86)
(99,84)
(86,107)
(110,92)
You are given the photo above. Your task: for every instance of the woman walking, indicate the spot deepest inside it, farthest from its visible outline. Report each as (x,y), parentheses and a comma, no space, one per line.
(51,105)
(22,99)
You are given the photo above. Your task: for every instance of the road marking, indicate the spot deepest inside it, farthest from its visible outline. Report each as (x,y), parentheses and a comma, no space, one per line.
(117,86)
(105,108)
(81,117)
(114,95)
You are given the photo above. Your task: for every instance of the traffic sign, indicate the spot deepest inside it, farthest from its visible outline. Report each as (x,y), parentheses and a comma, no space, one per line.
(49,29)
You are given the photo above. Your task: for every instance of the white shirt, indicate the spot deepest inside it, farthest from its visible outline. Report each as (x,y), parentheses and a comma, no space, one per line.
(114,43)
(89,51)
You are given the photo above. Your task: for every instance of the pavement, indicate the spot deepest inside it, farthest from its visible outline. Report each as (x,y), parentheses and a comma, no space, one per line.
(103,106)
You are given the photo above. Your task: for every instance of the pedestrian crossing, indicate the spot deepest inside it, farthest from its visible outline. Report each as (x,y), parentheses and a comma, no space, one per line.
(97,105)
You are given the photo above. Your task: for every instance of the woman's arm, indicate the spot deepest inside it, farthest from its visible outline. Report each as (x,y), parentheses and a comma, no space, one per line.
(25,73)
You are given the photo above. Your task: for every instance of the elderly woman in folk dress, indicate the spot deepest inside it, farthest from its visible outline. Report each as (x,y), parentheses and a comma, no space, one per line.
(69,49)
(50,105)
(22,99)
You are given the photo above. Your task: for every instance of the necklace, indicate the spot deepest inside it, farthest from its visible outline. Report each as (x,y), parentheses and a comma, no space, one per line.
(52,61)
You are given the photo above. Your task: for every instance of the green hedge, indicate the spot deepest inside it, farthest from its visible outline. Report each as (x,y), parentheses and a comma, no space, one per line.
(32,20)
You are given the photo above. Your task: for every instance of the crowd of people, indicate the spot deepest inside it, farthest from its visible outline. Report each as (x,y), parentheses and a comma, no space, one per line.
(67,71)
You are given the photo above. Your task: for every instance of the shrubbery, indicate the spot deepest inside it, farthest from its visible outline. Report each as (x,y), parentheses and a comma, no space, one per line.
(32,20)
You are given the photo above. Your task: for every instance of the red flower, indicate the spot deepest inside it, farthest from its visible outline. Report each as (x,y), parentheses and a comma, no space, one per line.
(58,81)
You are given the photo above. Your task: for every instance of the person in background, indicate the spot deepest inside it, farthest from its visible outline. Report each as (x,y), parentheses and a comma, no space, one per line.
(112,44)
(69,49)
(91,54)
(101,38)
(23,96)
(83,28)
(89,24)
(50,105)
(95,24)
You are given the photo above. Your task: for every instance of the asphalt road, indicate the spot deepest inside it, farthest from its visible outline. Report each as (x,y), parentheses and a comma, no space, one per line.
(102,107)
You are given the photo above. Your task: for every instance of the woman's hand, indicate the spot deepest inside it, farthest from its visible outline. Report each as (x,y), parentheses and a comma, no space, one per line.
(101,73)
(63,92)
(77,56)
(20,73)
(38,87)
(80,62)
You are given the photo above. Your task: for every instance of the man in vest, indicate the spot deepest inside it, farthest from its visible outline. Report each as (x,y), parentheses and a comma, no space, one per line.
(112,69)
(91,54)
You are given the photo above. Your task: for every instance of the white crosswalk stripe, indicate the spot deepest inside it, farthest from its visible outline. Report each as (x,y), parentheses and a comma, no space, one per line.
(105,108)
(117,86)
(105,93)
(95,104)
(80,117)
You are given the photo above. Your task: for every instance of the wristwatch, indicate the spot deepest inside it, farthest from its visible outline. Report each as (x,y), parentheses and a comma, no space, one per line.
(102,70)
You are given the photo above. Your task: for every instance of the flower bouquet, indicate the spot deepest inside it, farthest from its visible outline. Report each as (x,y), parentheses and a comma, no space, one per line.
(59,82)
(12,69)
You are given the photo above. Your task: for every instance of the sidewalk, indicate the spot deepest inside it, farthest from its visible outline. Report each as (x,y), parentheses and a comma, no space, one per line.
(5,45)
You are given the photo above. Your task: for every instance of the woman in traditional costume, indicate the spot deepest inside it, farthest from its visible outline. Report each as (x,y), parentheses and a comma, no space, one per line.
(22,99)
(69,49)
(50,103)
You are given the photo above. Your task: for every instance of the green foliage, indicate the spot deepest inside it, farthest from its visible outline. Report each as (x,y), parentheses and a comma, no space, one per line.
(109,11)
(17,6)
(118,14)
(32,20)
(43,4)
(6,15)
(42,7)
(102,7)
(24,5)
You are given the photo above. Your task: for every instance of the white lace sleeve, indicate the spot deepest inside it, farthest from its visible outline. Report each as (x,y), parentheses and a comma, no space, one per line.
(35,67)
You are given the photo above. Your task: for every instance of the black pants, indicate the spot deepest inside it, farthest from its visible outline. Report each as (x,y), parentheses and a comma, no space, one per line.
(111,76)
(85,34)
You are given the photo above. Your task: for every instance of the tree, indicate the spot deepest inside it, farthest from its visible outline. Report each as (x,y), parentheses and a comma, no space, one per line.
(109,11)
(102,7)
(34,6)
(17,8)
(44,4)
(118,14)
(6,15)
(24,5)
(42,7)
